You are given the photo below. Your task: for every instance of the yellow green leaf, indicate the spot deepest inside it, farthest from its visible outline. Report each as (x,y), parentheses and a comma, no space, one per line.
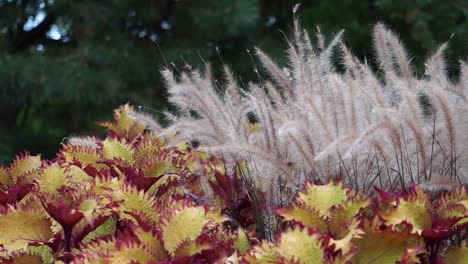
(264,253)
(137,202)
(341,216)
(457,255)
(77,175)
(185,224)
(88,207)
(113,148)
(242,242)
(165,179)
(215,216)
(147,146)
(52,179)
(159,168)
(97,252)
(345,244)
(24,165)
(4,178)
(461,222)
(413,212)
(44,251)
(306,215)
(323,197)
(18,228)
(85,155)
(104,185)
(353,207)
(151,242)
(125,125)
(387,246)
(131,253)
(106,228)
(298,245)
(453,204)
(189,248)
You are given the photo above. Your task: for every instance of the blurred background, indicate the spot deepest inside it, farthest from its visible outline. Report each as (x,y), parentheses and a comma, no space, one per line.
(66,64)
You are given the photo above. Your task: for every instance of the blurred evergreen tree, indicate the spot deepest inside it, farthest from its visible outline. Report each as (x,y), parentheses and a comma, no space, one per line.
(65,64)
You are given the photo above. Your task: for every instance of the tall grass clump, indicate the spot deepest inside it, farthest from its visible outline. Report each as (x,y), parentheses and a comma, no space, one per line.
(313,121)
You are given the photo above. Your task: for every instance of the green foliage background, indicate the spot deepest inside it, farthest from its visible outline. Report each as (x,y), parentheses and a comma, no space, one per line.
(65,64)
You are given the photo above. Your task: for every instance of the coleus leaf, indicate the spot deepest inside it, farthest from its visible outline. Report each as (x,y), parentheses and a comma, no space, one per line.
(301,246)
(457,254)
(308,216)
(44,251)
(208,248)
(332,218)
(71,154)
(135,201)
(100,227)
(5,179)
(152,240)
(442,229)
(241,243)
(22,257)
(164,186)
(344,245)
(183,224)
(15,193)
(19,227)
(24,167)
(96,252)
(385,197)
(263,253)
(323,197)
(113,148)
(189,247)
(34,254)
(413,210)
(453,204)
(100,186)
(123,250)
(154,167)
(78,175)
(147,145)
(129,252)
(383,246)
(341,217)
(137,178)
(125,125)
(413,255)
(51,179)
(64,213)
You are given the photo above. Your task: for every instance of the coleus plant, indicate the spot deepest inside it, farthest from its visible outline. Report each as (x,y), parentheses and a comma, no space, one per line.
(122,196)
(135,198)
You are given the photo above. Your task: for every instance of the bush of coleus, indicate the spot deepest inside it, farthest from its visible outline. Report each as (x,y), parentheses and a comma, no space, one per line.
(133,198)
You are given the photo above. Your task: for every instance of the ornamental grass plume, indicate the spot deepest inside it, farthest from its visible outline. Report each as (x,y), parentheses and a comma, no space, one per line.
(385,127)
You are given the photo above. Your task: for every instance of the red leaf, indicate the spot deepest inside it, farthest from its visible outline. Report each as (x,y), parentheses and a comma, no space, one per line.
(63,213)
